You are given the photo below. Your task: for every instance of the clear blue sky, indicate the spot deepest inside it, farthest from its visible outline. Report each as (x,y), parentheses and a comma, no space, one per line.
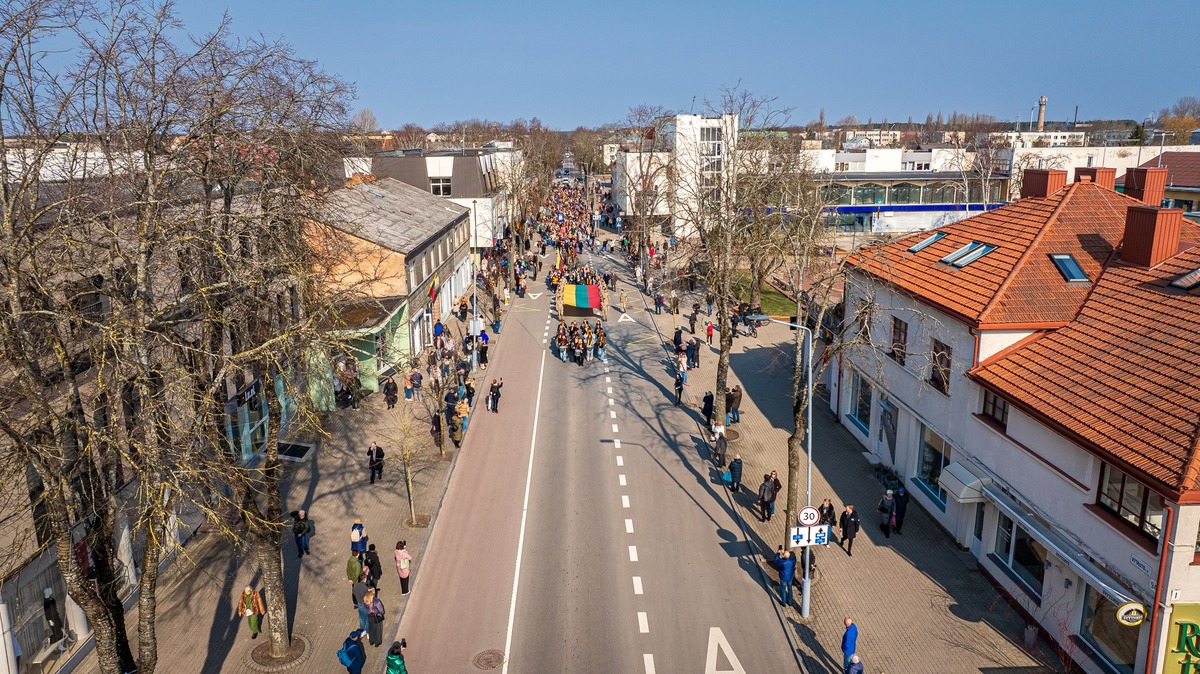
(586,63)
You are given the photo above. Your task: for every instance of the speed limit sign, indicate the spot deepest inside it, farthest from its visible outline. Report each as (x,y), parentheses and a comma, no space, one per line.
(808,516)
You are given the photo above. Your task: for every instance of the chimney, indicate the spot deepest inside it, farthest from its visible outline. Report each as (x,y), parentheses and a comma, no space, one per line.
(1102,176)
(1146,185)
(1041,114)
(1151,235)
(1042,182)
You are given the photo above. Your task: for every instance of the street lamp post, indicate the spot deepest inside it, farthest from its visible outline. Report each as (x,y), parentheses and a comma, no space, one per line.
(807,354)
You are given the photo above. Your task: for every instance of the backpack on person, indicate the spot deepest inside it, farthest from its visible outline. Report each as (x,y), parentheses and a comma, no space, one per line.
(343,656)
(404,563)
(355,535)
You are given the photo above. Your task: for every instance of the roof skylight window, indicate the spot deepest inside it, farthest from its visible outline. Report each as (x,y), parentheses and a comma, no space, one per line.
(1187,281)
(927,242)
(968,254)
(1068,267)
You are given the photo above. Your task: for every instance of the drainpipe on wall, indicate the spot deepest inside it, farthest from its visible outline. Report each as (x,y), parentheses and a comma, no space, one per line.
(8,660)
(1158,591)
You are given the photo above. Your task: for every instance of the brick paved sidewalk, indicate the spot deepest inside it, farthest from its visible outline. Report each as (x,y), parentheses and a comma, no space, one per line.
(197,629)
(920,603)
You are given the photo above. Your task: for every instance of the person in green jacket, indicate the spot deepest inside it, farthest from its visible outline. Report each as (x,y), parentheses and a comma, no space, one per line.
(354,569)
(395,658)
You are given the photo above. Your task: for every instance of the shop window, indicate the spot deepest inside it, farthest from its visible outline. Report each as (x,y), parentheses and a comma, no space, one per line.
(1112,641)
(1131,501)
(899,339)
(1021,554)
(439,187)
(904,193)
(996,409)
(870,194)
(860,402)
(935,456)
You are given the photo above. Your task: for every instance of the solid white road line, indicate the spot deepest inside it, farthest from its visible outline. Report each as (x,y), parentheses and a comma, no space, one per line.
(512,609)
(621,479)
(633,553)
(643,623)
(628,526)
(637,584)
(624,500)
(648,659)
(620,461)
(616,443)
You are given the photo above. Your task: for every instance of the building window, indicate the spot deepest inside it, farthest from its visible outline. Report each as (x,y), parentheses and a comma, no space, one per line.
(935,455)
(870,194)
(1130,500)
(939,367)
(835,194)
(1023,555)
(904,193)
(996,409)
(440,187)
(1098,627)
(899,339)
(841,166)
(860,402)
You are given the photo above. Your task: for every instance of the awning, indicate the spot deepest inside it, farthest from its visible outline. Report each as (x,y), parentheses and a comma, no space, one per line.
(961,483)
(582,296)
(1077,559)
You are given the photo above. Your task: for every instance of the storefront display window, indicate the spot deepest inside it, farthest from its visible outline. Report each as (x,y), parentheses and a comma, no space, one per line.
(1115,642)
(935,456)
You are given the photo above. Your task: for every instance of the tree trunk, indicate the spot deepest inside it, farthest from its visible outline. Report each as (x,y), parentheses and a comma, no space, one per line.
(265,534)
(800,403)
(724,273)
(156,535)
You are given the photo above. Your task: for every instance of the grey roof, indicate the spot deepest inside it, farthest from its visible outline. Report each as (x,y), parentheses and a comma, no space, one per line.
(387,212)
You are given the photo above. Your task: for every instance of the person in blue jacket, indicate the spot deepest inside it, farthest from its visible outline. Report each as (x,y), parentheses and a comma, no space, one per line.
(787,574)
(358,657)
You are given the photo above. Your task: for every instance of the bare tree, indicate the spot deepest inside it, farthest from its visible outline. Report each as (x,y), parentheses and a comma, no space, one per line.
(645,167)
(364,122)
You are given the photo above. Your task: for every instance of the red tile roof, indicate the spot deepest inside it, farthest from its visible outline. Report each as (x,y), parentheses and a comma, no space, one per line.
(1017,283)
(1123,378)
(1183,168)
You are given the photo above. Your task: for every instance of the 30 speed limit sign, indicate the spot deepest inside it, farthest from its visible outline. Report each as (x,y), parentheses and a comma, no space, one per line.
(808,516)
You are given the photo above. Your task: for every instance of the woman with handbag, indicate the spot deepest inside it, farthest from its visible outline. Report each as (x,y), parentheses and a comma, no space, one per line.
(403,565)
(375,616)
(250,605)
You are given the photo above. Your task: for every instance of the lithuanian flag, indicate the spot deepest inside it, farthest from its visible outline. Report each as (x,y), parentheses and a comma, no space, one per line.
(433,288)
(584,297)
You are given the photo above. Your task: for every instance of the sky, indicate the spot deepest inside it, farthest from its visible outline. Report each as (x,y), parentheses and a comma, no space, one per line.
(575,64)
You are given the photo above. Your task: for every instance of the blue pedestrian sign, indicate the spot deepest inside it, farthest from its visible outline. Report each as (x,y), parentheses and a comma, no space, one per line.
(805,536)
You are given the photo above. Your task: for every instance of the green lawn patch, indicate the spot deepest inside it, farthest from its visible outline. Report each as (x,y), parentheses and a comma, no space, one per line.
(774,303)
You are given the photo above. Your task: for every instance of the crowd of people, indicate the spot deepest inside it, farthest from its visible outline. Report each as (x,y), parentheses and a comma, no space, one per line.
(581,342)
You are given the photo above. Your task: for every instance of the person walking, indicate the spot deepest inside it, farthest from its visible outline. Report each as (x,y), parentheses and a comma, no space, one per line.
(375,617)
(677,339)
(403,565)
(849,642)
(395,658)
(372,567)
(720,447)
(735,473)
(887,510)
(855,666)
(375,461)
(358,537)
(776,487)
(848,525)
(301,530)
(391,392)
(416,378)
(678,388)
(494,394)
(901,509)
(766,491)
(708,330)
(352,656)
(484,344)
(828,518)
(456,430)
(463,410)
(707,408)
(692,323)
(787,574)
(354,571)
(250,605)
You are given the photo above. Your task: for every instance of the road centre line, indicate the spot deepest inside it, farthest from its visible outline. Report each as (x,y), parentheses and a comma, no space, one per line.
(609,391)
(648,660)
(612,414)
(620,461)
(633,553)
(637,584)
(614,426)
(621,479)
(616,443)
(643,623)
(608,380)
(628,526)
(512,609)
(624,500)
(610,401)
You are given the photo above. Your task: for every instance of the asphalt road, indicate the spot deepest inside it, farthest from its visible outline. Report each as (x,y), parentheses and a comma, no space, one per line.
(631,559)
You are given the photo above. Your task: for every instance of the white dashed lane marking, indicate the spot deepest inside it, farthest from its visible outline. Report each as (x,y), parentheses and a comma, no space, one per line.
(614,425)
(624,500)
(643,623)
(621,479)
(637,584)
(617,444)
(620,461)
(649,660)
(633,553)
(628,526)
(612,414)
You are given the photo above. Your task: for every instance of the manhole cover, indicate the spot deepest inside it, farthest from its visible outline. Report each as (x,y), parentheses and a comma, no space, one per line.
(489,659)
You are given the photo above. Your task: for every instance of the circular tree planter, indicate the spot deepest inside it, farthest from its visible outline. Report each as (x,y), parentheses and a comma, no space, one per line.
(259,660)
(732,435)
